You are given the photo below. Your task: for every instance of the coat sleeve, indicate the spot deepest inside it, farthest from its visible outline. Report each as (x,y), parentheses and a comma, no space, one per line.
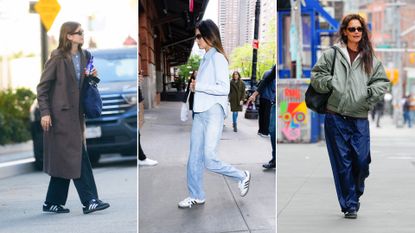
(320,74)
(221,86)
(378,85)
(43,88)
(242,90)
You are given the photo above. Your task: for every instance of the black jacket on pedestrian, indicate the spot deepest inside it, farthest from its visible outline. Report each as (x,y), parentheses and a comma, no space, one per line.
(266,80)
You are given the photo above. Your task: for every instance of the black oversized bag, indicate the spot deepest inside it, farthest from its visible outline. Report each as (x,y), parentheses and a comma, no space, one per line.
(318,101)
(91,99)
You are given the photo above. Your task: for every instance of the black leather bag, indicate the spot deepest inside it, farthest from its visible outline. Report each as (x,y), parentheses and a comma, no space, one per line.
(318,101)
(91,99)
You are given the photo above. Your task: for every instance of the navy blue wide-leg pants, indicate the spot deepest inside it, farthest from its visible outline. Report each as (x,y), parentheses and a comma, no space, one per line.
(348,145)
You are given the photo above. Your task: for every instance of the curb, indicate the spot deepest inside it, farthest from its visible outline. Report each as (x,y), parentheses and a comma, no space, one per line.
(18,167)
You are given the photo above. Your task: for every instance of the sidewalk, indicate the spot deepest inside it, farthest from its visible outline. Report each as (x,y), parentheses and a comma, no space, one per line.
(16,159)
(307,200)
(165,138)
(12,152)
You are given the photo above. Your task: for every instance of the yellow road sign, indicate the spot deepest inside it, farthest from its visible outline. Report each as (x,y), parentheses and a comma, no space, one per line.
(48,10)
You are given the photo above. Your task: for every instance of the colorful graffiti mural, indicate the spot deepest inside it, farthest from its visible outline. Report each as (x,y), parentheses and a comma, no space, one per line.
(293,115)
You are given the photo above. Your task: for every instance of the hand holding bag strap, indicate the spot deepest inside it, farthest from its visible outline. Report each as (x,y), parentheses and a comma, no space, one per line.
(91,98)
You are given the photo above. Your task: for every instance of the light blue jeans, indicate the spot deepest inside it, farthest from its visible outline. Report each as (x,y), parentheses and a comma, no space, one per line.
(206,133)
(235,117)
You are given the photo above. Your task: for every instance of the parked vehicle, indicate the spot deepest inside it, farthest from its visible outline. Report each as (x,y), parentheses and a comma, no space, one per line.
(115,131)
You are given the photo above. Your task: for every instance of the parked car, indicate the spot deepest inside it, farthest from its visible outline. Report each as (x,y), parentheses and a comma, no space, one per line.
(115,131)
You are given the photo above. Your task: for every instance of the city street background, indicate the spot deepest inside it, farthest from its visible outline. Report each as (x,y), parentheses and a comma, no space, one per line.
(166,139)
(307,200)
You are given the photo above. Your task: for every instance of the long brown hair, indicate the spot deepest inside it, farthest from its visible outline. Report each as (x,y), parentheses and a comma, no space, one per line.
(67,28)
(365,45)
(210,33)
(237,73)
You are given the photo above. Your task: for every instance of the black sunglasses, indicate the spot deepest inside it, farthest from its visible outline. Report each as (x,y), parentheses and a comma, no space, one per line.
(353,29)
(81,33)
(198,36)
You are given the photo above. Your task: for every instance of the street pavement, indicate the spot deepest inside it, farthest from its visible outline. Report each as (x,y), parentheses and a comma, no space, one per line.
(22,196)
(166,139)
(307,200)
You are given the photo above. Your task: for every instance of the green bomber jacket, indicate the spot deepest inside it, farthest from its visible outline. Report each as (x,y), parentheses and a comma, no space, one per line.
(354,92)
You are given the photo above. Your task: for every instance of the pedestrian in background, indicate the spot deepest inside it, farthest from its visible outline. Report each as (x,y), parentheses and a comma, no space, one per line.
(236,97)
(268,85)
(190,94)
(379,110)
(407,111)
(266,99)
(142,158)
(358,83)
(62,119)
(412,108)
(211,98)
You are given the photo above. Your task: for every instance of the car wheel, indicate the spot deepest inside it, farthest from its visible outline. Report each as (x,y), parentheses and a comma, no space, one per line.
(37,137)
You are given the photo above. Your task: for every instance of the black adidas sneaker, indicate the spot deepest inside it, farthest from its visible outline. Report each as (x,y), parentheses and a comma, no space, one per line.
(95,205)
(53,208)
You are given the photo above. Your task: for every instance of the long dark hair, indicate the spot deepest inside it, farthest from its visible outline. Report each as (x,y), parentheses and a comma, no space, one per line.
(210,33)
(67,28)
(236,72)
(365,45)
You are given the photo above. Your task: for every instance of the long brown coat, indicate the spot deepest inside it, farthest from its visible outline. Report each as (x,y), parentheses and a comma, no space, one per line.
(58,95)
(236,95)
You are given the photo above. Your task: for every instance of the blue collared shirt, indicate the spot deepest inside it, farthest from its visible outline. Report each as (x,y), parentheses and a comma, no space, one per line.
(212,82)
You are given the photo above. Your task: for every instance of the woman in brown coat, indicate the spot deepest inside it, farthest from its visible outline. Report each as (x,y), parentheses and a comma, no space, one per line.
(236,97)
(62,120)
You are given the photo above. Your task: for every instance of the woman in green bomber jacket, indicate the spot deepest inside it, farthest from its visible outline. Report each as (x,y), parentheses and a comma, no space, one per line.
(357,84)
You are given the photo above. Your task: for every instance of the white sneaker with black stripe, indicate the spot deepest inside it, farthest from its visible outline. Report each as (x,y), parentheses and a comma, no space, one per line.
(244,184)
(189,202)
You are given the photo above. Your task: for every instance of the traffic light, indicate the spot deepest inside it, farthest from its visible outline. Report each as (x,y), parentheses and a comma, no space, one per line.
(393,75)
(412,58)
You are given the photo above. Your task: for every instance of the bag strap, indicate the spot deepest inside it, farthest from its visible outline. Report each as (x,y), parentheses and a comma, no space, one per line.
(334,61)
(87,55)
(188,96)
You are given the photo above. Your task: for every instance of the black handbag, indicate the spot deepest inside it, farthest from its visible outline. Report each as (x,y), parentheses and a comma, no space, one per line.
(318,101)
(91,99)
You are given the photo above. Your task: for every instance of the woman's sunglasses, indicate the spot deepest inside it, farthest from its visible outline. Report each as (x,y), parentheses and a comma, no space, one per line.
(353,29)
(81,33)
(198,36)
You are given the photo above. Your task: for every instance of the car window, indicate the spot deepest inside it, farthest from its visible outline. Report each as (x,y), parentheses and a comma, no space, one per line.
(116,69)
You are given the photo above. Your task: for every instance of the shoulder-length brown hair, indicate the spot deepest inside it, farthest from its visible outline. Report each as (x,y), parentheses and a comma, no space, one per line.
(210,33)
(365,45)
(67,28)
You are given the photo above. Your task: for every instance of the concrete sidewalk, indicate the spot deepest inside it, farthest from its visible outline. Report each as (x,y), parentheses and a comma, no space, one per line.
(307,200)
(165,138)
(22,198)
(16,159)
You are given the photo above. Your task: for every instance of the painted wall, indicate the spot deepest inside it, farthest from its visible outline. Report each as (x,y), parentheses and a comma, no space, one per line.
(293,116)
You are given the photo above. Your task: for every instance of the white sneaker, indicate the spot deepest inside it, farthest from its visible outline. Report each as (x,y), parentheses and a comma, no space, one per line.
(147,162)
(188,202)
(263,135)
(244,184)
